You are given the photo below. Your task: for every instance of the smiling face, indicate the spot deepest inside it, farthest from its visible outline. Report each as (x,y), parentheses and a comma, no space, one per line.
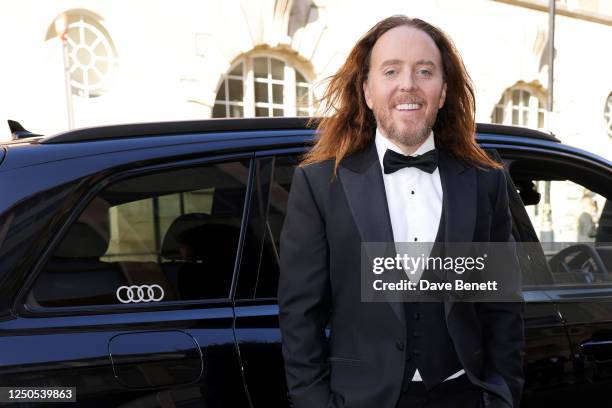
(405,86)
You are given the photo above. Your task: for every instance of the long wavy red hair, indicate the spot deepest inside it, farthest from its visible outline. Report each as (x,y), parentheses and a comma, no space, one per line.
(347,124)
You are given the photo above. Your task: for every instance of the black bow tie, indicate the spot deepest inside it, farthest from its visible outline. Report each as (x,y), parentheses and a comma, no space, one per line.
(393,161)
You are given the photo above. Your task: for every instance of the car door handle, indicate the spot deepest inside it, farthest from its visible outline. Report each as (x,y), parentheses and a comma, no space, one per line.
(156,358)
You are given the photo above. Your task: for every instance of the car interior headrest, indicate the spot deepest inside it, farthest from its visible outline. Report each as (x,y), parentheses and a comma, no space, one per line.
(170,245)
(527,191)
(212,240)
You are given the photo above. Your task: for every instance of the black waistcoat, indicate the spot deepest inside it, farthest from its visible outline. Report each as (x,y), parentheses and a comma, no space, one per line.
(429,346)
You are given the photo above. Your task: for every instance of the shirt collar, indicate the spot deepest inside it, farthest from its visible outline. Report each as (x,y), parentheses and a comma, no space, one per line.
(383,143)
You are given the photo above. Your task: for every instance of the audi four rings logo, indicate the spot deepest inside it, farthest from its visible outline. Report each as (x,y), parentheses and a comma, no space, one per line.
(137,294)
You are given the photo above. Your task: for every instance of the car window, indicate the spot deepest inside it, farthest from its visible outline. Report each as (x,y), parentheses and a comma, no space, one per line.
(267,283)
(165,236)
(571,214)
(569,208)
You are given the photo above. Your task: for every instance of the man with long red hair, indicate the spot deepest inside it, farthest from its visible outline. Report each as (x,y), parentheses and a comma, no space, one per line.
(396,160)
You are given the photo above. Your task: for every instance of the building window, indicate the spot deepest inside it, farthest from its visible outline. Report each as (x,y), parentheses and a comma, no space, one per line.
(230,95)
(520,106)
(608,114)
(304,96)
(269,76)
(263,86)
(92,54)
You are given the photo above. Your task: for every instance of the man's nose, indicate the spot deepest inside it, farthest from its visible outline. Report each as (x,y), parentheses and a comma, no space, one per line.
(407,82)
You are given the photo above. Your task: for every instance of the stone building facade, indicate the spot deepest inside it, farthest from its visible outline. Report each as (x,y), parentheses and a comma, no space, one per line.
(141,61)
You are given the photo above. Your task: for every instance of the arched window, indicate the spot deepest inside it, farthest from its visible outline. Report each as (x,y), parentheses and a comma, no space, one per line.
(608,114)
(263,85)
(229,102)
(520,106)
(91,52)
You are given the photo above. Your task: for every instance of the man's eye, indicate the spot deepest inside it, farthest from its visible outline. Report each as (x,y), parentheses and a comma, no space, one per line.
(425,72)
(390,72)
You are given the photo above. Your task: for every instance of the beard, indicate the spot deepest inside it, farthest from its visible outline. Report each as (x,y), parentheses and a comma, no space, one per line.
(409,134)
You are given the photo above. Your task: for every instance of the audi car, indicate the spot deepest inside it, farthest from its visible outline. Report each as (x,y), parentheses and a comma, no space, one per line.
(139,262)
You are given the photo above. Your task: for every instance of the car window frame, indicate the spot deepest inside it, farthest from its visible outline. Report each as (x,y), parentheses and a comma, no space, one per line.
(270,154)
(20,305)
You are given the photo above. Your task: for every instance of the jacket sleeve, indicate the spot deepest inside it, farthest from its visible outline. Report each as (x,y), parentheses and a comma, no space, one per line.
(304,297)
(502,322)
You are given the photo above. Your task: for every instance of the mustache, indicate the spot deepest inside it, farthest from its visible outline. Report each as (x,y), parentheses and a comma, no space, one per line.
(408,99)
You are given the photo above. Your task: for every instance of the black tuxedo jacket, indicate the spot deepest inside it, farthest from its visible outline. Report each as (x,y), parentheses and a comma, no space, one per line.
(361,363)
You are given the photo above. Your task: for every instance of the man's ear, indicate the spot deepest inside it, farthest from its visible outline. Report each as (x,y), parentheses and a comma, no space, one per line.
(366,94)
(442,96)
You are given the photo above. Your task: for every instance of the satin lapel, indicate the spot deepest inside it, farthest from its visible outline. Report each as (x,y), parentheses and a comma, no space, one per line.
(361,178)
(459,189)
(367,199)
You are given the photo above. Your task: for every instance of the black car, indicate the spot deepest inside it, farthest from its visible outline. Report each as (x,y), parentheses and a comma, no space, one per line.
(139,263)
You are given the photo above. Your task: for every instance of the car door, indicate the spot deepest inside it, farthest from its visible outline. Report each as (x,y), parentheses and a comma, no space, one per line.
(257,331)
(131,304)
(570,210)
(547,359)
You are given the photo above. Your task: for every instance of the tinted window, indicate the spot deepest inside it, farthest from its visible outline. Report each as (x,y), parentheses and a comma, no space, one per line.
(569,208)
(267,282)
(167,236)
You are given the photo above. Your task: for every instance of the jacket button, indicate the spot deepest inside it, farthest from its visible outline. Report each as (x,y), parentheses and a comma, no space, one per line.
(399,344)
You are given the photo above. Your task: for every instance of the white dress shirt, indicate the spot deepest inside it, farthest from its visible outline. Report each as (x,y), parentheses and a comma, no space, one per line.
(415,201)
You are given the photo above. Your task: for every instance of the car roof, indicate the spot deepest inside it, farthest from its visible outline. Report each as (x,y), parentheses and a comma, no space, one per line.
(130,136)
(237,124)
